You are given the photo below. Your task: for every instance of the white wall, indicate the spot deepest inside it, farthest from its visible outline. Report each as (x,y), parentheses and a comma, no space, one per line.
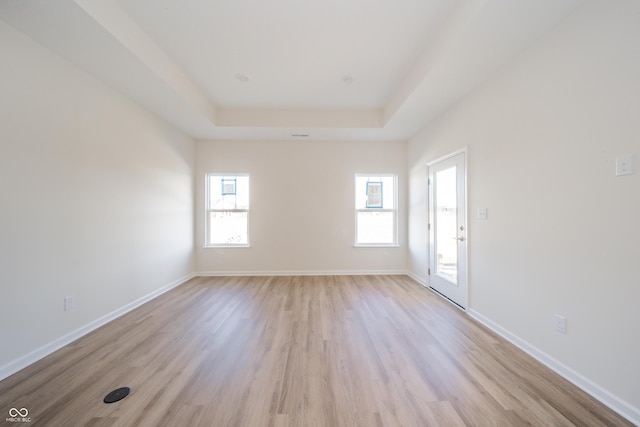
(96,201)
(302,205)
(563,233)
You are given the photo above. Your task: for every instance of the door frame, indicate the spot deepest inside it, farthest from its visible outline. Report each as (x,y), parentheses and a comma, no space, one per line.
(430,165)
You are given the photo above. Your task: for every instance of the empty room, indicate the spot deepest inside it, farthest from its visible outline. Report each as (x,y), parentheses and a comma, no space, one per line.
(319,213)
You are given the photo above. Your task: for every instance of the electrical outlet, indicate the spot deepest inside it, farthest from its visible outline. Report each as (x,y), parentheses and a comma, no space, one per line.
(560,324)
(69,303)
(624,165)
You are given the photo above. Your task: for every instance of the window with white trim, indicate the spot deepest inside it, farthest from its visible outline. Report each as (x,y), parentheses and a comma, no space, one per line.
(227,204)
(376,210)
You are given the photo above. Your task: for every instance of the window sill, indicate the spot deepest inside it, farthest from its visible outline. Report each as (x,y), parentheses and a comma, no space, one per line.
(376,245)
(225,246)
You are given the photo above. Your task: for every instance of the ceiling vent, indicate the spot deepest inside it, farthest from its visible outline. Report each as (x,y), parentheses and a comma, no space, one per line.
(242,77)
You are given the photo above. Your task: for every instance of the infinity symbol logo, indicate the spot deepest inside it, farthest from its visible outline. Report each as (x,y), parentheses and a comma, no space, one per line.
(22,412)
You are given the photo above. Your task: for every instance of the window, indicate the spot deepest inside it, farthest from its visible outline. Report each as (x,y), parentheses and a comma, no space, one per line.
(227,220)
(376,210)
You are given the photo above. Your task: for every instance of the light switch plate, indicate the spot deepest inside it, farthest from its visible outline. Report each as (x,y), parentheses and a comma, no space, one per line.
(483,213)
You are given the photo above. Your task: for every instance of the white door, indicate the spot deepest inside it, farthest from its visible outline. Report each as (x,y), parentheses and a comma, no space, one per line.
(448,228)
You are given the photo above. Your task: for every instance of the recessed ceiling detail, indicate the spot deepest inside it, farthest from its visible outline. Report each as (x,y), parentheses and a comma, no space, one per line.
(413,59)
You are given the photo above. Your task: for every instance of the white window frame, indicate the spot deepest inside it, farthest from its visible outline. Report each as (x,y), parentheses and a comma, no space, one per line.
(208,211)
(393,210)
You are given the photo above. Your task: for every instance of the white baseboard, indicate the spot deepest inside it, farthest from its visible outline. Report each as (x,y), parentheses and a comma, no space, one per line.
(421,280)
(303,273)
(620,406)
(32,357)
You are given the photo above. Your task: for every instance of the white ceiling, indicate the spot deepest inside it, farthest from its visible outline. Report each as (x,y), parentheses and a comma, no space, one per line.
(409,60)
(295,52)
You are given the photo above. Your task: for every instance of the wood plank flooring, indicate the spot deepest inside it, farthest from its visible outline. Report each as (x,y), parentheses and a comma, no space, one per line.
(297,351)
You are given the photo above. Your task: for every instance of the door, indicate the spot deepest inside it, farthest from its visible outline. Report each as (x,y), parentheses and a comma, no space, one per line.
(448,228)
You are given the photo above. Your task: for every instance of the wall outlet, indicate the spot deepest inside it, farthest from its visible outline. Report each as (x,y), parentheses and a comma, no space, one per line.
(560,324)
(624,165)
(69,303)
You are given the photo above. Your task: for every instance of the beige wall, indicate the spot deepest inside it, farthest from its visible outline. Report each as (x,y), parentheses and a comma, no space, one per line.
(563,234)
(96,201)
(302,205)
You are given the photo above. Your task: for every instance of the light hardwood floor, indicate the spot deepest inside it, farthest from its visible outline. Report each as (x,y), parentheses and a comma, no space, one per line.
(297,351)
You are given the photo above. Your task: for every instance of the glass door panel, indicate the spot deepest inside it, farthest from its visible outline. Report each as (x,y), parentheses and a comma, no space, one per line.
(446,224)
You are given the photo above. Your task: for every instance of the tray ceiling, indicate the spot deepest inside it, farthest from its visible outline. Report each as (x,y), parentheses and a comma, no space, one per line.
(270,69)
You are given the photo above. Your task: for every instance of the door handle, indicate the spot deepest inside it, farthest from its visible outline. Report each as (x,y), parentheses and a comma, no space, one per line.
(461,238)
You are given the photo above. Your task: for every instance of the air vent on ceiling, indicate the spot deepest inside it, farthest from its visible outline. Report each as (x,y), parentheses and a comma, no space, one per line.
(242,77)
(348,80)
